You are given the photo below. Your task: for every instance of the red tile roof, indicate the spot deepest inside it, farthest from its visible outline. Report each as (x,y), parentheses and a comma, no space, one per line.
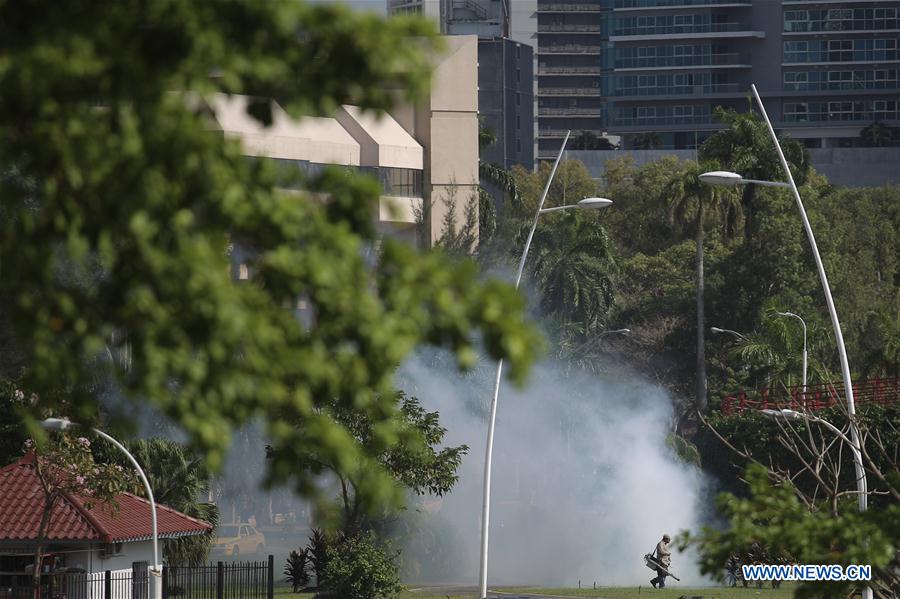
(22,503)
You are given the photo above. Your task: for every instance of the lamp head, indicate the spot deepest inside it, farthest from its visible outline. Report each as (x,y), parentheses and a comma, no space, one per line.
(784,414)
(616,332)
(594,203)
(716,330)
(785,314)
(56,424)
(723,178)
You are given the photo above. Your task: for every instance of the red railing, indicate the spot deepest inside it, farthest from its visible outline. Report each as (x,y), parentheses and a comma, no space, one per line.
(815,397)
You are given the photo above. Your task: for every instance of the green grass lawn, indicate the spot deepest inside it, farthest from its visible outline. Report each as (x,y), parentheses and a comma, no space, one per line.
(785,592)
(284,592)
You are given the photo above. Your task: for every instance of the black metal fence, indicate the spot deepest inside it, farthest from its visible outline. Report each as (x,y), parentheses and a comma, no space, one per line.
(244,580)
(239,580)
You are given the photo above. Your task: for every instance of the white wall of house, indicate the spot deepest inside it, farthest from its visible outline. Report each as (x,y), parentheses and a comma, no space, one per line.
(94,559)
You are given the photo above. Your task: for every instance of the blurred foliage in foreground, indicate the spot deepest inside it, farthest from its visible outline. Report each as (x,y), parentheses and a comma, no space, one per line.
(120,207)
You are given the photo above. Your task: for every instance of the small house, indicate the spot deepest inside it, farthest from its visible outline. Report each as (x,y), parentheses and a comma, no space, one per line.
(111,542)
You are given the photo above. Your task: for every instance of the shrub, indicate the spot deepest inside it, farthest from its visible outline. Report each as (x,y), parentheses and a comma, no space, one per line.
(358,568)
(317,550)
(295,570)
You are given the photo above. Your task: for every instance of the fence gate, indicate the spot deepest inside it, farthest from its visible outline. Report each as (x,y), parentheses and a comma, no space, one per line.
(140,580)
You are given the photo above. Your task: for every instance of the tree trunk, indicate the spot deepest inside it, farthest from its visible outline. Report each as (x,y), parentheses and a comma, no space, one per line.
(39,548)
(747,197)
(701,353)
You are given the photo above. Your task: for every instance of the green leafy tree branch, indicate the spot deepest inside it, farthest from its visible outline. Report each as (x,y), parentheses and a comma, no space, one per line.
(124,205)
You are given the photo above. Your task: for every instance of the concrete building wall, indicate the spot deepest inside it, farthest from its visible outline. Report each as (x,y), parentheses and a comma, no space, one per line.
(93,559)
(383,141)
(448,128)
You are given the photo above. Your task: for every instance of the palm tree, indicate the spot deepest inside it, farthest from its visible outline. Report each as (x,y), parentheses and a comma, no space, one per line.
(877,135)
(588,140)
(573,265)
(647,141)
(493,174)
(774,352)
(690,203)
(746,148)
(178,479)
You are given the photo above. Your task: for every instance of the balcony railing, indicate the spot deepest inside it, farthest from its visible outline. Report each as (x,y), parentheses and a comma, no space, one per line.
(569,7)
(692,60)
(867,115)
(620,4)
(568,28)
(570,49)
(844,26)
(670,29)
(655,121)
(682,90)
(569,70)
(586,112)
(803,86)
(813,56)
(548,133)
(569,91)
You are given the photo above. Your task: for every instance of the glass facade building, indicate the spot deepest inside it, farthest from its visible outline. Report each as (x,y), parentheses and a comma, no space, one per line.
(654,71)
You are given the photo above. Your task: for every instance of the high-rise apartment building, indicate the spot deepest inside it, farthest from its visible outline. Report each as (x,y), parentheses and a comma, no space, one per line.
(505,71)
(484,18)
(653,71)
(506,100)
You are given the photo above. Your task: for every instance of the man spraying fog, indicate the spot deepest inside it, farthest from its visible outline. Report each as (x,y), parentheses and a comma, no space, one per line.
(663,557)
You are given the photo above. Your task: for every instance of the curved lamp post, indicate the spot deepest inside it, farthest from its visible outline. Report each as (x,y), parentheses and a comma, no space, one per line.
(803,322)
(597,339)
(717,331)
(62,424)
(786,414)
(616,332)
(587,203)
(728,178)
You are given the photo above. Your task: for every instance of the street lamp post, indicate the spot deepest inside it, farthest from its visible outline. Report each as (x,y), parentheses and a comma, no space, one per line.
(786,414)
(717,331)
(616,332)
(597,339)
(728,178)
(62,424)
(802,322)
(587,203)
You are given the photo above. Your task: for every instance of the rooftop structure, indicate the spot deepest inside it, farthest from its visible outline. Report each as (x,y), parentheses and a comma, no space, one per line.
(424,156)
(22,503)
(484,18)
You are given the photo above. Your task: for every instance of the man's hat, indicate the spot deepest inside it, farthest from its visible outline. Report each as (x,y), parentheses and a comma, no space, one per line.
(666,537)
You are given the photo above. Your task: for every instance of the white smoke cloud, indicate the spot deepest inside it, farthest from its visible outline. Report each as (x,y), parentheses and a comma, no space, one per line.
(583,483)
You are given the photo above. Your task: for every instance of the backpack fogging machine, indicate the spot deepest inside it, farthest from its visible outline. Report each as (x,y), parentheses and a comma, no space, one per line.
(652,563)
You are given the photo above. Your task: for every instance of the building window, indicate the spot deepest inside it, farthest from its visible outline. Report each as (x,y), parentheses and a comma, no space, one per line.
(405,182)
